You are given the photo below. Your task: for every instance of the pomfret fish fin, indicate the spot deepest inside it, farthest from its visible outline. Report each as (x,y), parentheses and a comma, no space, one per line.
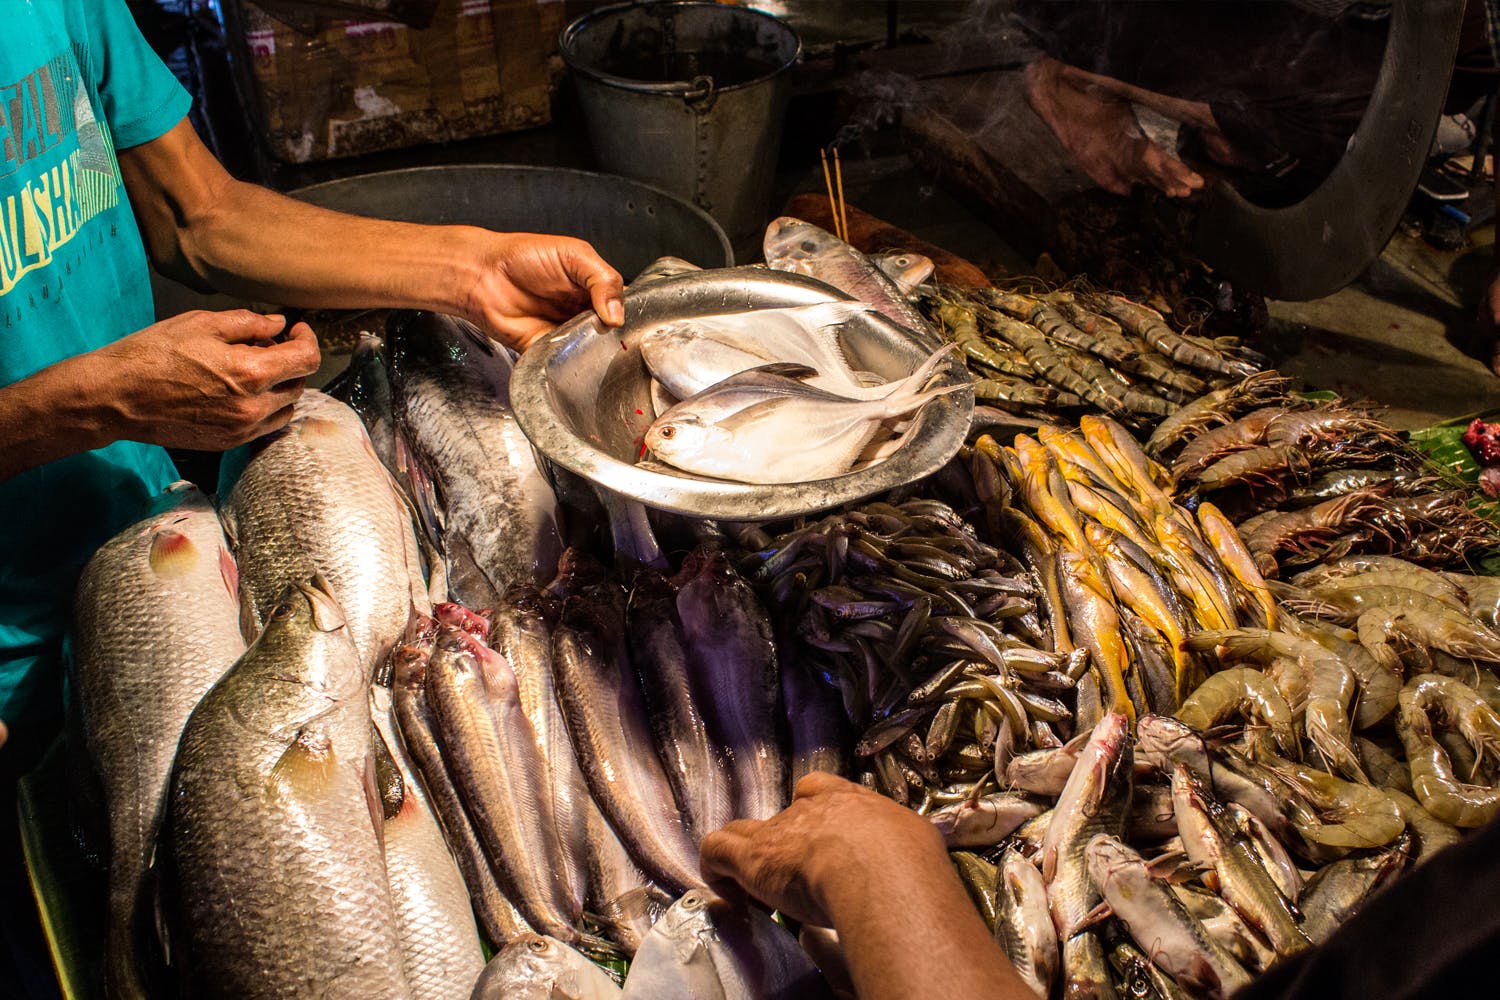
(306,768)
(172,554)
(782,369)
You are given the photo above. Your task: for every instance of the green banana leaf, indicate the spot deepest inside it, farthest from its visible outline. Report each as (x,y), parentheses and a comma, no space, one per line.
(1442,444)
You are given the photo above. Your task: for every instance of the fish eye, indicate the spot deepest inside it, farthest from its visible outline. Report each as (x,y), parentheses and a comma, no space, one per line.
(538,945)
(668,432)
(282,610)
(809,246)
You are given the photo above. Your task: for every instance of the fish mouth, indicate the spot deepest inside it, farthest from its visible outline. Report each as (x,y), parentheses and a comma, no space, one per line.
(327,613)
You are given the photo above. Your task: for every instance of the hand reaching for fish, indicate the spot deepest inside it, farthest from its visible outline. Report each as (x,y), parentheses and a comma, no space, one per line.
(842,856)
(528,283)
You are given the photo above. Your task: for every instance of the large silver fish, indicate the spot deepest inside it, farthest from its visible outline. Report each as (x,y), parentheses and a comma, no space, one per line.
(534,967)
(707,949)
(276,873)
(687,356)
(695,765)
(735,679)
(471,470)
(601,700)
(491,752)
(156,624)
(803,248)
(767,425)
(439,944)
(313,498)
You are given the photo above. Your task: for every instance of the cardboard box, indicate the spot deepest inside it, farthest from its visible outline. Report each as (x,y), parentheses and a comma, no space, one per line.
(352,87)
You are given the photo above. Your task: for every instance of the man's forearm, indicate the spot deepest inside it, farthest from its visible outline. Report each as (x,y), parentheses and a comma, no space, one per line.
(49,415)
(199,223)
(917,934)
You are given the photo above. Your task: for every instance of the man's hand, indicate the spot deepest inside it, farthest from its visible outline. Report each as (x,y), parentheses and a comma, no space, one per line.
(204,380)
(528,283)
(836,842)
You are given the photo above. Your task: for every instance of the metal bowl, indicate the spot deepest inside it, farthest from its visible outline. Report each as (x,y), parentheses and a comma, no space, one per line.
(582,395)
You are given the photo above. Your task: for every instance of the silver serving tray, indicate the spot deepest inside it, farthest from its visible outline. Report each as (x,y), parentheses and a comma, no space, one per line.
(582,395)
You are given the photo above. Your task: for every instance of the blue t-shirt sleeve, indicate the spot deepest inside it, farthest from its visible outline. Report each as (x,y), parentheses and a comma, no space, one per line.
(141,98)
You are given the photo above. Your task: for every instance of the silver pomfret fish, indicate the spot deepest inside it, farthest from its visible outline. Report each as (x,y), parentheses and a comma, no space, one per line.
(156,624)
(766,425)
(459,440)
(687,356)
(272,778)
(314,498)
(535,967)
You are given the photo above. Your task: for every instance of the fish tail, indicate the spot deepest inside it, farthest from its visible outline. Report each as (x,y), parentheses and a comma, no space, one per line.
(910,393)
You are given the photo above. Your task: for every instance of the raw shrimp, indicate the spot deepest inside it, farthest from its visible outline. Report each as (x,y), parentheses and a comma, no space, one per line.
(1325,423)
(1436,623)
(1106,343)
(1239,691)
(1209,447)
(1342,814)
(1433,779)
(1261,466)
(1296,531)
(963,328)
(1363,566)
(1148,324)
(1379,682)
(1432,833)
(1216,407)
(1422,580)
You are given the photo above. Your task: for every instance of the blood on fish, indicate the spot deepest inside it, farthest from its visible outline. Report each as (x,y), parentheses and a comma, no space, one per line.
(640,413)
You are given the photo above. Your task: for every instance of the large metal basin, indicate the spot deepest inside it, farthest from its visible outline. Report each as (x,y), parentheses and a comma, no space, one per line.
(582,395)
(631,224)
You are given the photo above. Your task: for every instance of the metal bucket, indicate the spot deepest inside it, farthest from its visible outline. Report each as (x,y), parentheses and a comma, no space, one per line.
(690,97)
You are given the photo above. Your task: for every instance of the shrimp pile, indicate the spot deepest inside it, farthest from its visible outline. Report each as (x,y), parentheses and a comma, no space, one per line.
(1074,351)
(1308,481)
(1218,770)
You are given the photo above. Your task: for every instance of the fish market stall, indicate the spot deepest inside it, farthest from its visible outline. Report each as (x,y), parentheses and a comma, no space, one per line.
(1182,662)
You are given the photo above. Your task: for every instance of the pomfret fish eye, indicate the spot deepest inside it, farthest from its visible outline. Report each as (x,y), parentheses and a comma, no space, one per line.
(668,432)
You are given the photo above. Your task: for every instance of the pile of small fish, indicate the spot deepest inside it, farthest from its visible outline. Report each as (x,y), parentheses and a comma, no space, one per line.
(1311,480)
(930,637)
(1075,351)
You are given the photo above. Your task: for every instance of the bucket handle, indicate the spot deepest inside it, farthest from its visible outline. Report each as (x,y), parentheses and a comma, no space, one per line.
(701,94)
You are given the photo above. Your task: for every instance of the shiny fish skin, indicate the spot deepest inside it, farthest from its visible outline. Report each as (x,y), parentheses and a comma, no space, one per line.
(687,356)
(365,387)
(270,777)
(737,429)
(522,633)
(705,948)
(498,917)
(156,623)
(536,967)
(439,943)
(601,700)
(490,749)
(313,498)
(1093,802)
(815,723)
(803,248)
(986,821)
(1173,938)
(454,421)
(1023,925)
(734,656)
(695,764)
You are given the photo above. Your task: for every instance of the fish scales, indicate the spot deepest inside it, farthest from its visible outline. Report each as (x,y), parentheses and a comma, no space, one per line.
(270,808)
(156,624)
(313,498)
(499,516)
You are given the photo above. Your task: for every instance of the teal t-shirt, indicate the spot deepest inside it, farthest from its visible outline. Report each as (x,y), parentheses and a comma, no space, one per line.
(77,82)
